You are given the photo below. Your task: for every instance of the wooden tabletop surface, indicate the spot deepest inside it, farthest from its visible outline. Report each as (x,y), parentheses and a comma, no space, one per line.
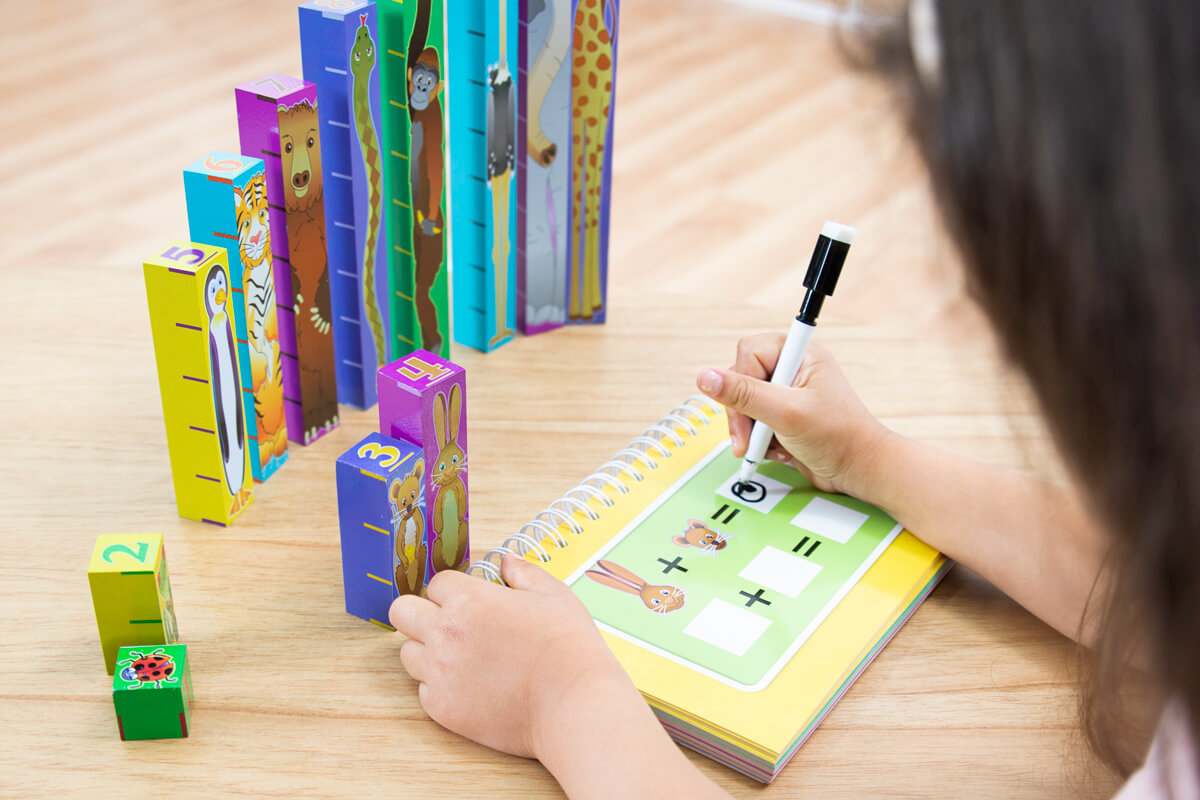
(737,134)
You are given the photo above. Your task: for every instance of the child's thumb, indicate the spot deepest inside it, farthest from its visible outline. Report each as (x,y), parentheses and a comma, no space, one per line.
(772,403)
(527,576)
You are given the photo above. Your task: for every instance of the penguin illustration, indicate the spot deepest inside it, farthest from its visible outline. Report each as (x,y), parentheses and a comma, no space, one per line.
(227,395)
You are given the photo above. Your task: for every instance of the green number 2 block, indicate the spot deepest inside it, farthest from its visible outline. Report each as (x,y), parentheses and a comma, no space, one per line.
(152,692)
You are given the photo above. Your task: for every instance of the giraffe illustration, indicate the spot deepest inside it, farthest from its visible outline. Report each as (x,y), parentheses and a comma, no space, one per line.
(591,88)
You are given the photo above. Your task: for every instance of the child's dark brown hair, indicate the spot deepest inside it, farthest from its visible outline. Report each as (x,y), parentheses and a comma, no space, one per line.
(1063,141)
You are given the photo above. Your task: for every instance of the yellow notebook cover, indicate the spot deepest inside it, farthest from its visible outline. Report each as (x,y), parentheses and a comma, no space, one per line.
(741,613)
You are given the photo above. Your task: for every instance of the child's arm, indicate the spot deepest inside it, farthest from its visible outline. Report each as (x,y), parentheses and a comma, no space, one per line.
(525,671)
(1032,540)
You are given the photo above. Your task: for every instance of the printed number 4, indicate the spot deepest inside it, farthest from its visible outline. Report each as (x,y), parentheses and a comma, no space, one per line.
(385,453)
(140,555)
(415,368)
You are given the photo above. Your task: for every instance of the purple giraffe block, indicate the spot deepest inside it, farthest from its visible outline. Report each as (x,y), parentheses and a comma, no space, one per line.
(422,399)
(277,122)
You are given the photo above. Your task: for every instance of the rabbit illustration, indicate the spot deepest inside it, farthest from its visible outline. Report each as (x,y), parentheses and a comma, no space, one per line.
(699,536)
(408,526)
(450,506)
(659,599)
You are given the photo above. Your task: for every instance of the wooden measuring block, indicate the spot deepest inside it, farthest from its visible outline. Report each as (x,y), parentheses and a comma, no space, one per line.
(277,122)
(422,400)
(131,593)
(191,320)
(152,692)
(227,206)
(382,516)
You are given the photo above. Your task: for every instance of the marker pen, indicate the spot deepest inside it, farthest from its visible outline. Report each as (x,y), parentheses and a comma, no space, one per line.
(823,270)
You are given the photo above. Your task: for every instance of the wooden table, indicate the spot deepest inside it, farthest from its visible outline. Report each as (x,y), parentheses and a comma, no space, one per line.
(719,191)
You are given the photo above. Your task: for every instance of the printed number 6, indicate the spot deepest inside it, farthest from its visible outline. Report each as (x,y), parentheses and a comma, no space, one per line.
(386,454)
(140,556)
(224,165)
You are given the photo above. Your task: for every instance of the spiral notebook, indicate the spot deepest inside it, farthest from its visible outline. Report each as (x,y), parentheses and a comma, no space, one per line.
(742,613)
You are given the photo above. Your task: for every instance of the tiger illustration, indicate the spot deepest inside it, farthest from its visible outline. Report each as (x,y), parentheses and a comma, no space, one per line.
(266,374)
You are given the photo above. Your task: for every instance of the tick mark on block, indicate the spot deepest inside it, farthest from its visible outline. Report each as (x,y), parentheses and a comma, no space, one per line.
(402,205)
(405,339)
(215,179)
(757,597)
(197,380)
(272,155)
(206,478)
(213,522)
(281,258)
(189,274)
(672,564)
(225,236)
(382,624)
(292,356)
(338,124)
(372,527)
(335,70)
(343,177)
(402,250)
(145,621)
(373,475)
(474,33)
(392,52)
(381,580)
(403,296)
(183,724)
(350,363)
(275,207)
(202,430)
(287,399)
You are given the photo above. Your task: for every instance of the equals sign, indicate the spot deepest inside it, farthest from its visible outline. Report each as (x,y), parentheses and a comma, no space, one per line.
(808,554)
(722,510)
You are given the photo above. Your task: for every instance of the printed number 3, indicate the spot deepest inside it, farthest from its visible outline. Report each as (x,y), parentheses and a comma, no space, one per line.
(140,555)
(385,453)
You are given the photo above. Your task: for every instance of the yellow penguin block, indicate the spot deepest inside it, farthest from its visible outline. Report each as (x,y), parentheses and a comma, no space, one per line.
(191,318)
(131,593)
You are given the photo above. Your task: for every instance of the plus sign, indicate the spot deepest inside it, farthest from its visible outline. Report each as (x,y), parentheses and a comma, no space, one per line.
(757,597)
(673,564)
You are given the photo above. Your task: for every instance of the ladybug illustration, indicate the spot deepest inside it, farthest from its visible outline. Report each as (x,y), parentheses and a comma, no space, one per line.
(152,668)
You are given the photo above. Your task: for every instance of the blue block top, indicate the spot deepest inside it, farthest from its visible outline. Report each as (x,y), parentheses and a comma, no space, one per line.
(381,456)
(226,167)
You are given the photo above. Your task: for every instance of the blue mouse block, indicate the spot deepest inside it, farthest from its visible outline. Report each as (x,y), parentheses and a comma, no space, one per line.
(381,512)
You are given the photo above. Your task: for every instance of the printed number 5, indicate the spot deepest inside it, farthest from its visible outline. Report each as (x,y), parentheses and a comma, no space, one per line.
(385,453)
(193,255)
(140,555)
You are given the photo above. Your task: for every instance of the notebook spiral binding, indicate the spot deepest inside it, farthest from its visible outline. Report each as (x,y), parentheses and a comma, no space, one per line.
(642,454)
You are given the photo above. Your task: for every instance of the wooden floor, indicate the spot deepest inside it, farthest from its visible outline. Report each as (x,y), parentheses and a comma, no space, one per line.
(737,135)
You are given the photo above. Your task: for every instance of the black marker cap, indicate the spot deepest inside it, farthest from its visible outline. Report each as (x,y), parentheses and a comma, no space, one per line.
(825,268)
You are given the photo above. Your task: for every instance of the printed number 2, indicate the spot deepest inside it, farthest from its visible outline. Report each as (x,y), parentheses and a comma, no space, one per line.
(414,368)
(385,453)
(123,549)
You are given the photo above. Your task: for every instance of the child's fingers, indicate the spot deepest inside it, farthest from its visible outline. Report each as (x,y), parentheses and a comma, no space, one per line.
(413,616)
(751,398)
(756,358)
(525,575)
(447,583)
(412,656)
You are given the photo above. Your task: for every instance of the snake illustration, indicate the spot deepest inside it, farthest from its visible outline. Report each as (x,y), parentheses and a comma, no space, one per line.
(362,63)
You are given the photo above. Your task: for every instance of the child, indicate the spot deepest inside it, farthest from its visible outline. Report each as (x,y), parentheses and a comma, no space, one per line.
(1063,140)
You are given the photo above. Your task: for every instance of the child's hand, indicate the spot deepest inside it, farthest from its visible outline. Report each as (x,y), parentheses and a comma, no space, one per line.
(820,424)
(497,664)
